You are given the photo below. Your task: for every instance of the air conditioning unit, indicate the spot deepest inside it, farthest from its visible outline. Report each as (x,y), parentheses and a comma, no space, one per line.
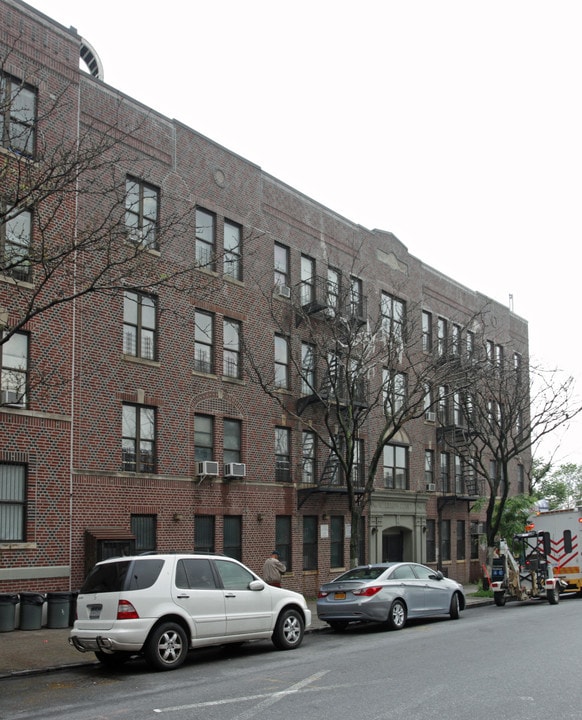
(235,470)
(431,487)
(10,397)
(284,291)
(430,416)
(208,467)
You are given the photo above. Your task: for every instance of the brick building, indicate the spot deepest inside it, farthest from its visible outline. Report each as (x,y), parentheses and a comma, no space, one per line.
(135,415)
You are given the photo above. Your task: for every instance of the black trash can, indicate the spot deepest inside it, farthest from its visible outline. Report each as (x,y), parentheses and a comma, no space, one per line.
(8,603)
(58,609)
(31,610)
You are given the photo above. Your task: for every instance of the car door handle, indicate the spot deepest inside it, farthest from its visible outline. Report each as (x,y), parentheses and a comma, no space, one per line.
(182,597)
(229,595)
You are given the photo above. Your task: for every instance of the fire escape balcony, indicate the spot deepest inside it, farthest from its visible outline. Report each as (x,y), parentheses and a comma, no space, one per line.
(465,489)
(327,477)
(315,298)
(336,393)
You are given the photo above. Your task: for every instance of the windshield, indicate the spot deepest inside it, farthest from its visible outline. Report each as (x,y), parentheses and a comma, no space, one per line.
(371,572)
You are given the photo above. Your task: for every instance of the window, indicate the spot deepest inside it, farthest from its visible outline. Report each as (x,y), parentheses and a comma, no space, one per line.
(499,357)
(426,331)
(333,290)
(15,238)
(445,539)
(139,325)
(144,529)
(204,533)
(205,238)
(456,340)
(336,548)
(283,539)
(281,265)
(429,466)
(442,336)
(308,457)
(195,574)
(203,438)
(232,441)
(204,342)
(232,544)
(141,212)
(459,484)
(307,369)
(393,315)
(281,362)
(431,541)
(356,298)
(307,280)
(470,346)
(474,540)
(445,472)
(17,116)
(520,480)
(232,250)
(310,542)
(138,442)
(461,551)
(395,384)
(396,467)
(14,352)
(233,576)
(443,404)
(457,409)
(489,351)
(358,470)
(282,454)
(231,352)
(12,503)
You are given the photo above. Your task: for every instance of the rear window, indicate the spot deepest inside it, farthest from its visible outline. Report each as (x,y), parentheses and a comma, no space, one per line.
(113,577)
(362,573)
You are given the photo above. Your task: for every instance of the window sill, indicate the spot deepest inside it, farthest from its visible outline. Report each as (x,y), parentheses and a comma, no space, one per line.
(140,360)
(18,546)
(199,373)
(9,280)
(235,381)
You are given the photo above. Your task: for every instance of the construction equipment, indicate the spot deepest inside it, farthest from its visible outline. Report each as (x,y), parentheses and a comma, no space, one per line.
(564,528)
(528,577)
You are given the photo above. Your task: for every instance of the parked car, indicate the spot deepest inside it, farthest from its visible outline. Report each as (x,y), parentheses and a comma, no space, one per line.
(160,606)
(388,593)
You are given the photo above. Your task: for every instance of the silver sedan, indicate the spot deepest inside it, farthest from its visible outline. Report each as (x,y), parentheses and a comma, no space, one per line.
(388,593)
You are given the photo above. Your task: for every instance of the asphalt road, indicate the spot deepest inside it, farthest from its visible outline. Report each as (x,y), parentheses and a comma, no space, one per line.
(520,661)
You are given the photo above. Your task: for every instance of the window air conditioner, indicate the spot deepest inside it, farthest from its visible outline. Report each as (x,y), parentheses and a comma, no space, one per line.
(208,467)
(430,487)
(284,291)
(430,416)
(10,397)
(235,470)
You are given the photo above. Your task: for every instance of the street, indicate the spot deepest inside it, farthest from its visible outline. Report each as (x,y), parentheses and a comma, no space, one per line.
(519,661)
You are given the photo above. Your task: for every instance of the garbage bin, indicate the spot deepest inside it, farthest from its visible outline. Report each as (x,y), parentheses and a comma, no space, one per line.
(31,610)
(8,603)
(58,609)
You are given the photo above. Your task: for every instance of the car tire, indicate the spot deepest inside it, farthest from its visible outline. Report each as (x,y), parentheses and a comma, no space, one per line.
(499,598)
(166,647)
(338,625)
(455,609)
(396,615)
(288,633)
(112,660)
(553,595)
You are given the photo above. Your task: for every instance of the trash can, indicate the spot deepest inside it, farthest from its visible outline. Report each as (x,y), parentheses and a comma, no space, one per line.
(8,603)
(31,610)
(58,609)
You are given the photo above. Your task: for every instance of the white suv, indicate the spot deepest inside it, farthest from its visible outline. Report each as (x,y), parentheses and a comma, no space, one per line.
(161,606)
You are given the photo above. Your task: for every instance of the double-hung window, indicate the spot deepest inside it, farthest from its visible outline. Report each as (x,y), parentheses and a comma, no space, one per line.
(141,212)
(356,298)
(139,325)
(281,260)
(15,239)
(442,336)
(336,545)
(204,533)
(17,116)
(232,259)
(307,369)
(282,454)
(205,238)
(12,503)
(310,542)
(203,438)
(396,467)
(232,541)
(333,290)
(393,317)
(14,353)
(139,438)
(204,342)
(307,280)
(281,362)
(144,528)
(308,457)
(232,441)
(231,351)
(426,331)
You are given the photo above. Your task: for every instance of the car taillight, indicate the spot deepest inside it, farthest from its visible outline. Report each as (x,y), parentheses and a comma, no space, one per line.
(126,611)
(322,594)
(368,591)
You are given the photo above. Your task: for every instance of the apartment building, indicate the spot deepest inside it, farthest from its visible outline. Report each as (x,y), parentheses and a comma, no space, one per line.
(159,296)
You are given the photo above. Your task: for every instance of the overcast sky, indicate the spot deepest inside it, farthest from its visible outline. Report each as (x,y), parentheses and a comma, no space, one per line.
(455,124)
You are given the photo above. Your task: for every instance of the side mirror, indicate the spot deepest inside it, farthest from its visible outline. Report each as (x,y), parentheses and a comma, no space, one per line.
(437,575)
(256,585)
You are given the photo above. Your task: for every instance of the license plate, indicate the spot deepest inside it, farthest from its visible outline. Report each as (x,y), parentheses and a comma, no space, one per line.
(340,596)
(94,612)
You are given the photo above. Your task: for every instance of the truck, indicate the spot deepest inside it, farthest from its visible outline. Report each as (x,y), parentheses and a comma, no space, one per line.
(564,529)
(529,576)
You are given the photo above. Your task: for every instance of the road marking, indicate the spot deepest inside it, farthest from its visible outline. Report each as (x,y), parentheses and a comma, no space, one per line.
(268,699)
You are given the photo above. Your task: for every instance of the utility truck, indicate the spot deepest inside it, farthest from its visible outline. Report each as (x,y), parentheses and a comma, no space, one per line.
(564,529)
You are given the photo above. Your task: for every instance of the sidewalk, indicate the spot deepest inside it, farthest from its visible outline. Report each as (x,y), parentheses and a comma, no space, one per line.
(24,652)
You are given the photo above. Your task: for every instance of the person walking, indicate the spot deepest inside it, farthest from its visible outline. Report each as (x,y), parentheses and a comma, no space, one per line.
(273,569)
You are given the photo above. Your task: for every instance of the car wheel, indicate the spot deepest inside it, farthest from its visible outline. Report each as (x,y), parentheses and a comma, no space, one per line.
(396,615)
(499,598)
(455,609)
(166,647)
(289,630)
(112,660)
(553,595)
(338,625)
